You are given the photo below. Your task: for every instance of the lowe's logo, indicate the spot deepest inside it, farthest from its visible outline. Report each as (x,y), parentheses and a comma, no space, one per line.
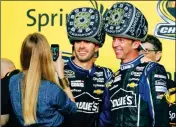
(167,11)
(127,100)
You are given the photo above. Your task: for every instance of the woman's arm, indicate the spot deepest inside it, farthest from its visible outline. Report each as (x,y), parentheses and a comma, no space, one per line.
(64,83)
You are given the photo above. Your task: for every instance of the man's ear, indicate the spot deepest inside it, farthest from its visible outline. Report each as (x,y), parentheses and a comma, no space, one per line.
(96,48)
(136,44)
(158,56)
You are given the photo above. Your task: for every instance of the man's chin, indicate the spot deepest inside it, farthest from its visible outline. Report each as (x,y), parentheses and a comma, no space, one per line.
(83,59)
(118,57)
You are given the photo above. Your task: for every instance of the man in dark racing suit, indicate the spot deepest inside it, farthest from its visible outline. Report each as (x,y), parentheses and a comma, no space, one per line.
(153,50)
(87,80)
(137,90)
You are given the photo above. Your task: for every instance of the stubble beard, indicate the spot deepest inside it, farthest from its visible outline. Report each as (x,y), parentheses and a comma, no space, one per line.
(84,60)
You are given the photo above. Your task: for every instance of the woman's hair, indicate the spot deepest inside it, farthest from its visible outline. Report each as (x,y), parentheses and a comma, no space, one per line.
(37,64)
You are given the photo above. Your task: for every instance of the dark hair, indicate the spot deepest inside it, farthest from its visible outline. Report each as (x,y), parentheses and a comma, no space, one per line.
(154,41)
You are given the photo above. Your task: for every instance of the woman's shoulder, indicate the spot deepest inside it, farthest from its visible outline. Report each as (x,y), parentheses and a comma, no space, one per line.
(15,81)
(49,85)
(16,77)
(49,89)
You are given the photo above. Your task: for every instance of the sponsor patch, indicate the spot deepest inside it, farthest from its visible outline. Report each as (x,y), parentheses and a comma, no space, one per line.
(160,76)
(98,91)
(136,74)
(98,79)
(160,83)
(69,73)
(87,107)
(139,68)
(75,90)
(132,85)
(160,89)
(98,85)
(99,74)
(127,100)
(126,67)
(77,83)
(90,105)
(133,79)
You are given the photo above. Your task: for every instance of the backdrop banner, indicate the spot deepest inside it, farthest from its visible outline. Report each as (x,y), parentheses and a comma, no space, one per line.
(20,18)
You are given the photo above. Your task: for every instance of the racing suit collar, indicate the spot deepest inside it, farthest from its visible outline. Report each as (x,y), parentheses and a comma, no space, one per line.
(79,69)
(132,63)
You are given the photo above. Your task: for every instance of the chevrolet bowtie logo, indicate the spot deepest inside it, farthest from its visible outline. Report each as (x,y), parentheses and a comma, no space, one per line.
(98,91)
(132,85)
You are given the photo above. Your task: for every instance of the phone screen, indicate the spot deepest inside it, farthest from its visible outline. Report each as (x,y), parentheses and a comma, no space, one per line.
(55,51)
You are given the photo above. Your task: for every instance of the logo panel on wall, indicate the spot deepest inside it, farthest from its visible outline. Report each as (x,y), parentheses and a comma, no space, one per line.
(167,11)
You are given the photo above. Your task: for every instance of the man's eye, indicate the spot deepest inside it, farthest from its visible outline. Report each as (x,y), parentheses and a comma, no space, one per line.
(121,40)
(88,42)
(78,41)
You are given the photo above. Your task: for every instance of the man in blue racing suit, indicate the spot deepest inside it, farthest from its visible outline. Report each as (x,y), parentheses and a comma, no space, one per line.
(153,50)
(137,90)
(87,80)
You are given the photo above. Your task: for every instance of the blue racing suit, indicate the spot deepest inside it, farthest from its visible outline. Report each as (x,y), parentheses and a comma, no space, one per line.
(87,87)
(136,93)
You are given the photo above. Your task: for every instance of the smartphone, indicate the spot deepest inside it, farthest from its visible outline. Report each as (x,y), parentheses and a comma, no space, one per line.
(96,55)
(55,51)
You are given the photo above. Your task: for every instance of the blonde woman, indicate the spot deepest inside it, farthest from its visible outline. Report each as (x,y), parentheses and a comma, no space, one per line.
(37,97)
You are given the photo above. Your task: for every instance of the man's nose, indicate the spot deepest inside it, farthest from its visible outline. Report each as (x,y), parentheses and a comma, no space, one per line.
(82,44)
(115,43)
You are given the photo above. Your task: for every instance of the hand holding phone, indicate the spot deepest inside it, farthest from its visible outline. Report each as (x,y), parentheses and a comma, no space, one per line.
(55,51)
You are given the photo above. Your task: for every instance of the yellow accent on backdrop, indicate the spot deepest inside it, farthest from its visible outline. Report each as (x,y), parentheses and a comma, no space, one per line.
(14,28)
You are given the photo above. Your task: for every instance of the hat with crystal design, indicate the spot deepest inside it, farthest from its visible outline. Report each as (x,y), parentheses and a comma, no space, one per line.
(86,24)
(125,20)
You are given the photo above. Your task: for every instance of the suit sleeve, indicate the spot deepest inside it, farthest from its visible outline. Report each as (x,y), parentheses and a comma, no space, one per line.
(158,107)
(104,119)
(105,109)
